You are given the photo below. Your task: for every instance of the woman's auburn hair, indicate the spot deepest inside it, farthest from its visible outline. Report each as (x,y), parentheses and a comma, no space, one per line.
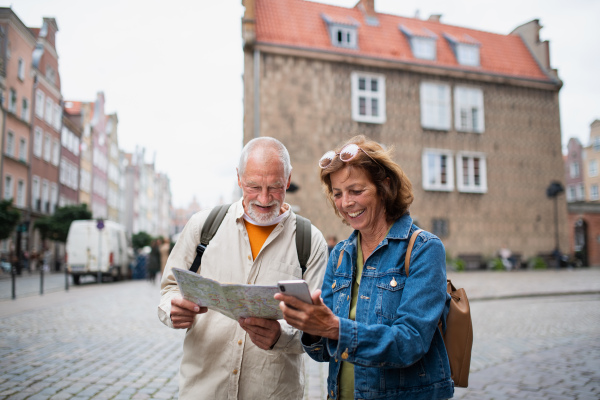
(396,196)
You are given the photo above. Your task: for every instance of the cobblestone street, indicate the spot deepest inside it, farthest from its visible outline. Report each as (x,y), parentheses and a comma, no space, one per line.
(105,341)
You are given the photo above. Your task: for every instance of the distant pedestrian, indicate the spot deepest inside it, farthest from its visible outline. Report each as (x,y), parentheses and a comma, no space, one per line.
(331,242)
(153,260)
(165,249)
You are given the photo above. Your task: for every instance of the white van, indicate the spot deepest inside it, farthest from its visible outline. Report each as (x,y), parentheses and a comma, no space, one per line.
(89,249)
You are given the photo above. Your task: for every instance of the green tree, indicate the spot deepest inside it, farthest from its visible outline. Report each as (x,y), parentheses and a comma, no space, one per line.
(140,239)
(56,226)
(8,218)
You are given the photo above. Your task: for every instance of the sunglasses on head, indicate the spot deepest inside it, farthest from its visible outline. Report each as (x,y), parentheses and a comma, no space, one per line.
(347,153)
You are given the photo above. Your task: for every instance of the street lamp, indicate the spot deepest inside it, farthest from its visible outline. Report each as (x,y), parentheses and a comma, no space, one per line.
(553,191)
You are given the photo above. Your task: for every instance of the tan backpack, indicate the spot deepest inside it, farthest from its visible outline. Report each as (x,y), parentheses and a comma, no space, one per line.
(458,337)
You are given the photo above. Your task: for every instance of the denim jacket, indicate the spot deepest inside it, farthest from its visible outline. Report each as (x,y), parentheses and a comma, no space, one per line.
(395,344)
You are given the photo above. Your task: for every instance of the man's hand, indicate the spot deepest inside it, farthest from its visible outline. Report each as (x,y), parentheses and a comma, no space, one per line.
(315,319)
(183,312)
(264,333)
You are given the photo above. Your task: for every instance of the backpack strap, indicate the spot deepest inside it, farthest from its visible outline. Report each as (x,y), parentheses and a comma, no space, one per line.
(303,228)
(411,243)
(210,227)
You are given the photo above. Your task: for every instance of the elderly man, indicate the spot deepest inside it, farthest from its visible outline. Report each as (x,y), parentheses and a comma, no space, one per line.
(252,358)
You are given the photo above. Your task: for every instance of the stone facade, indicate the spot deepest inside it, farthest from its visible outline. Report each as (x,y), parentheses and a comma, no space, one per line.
(304,100)
(306,104)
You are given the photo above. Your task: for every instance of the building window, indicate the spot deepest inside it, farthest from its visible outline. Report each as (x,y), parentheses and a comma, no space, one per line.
(440,227)
(468,109)
(467,54)
(49,110)
(10,144)
(37,142)
(8,187)
(12,101)
(50,74)
(23,150)
(593,168)
(597,143)
(368,97)
(574,169)
(21,193)
(343,36)
(580,192)
(435,106)
(53,197)
(471,172)
(438,170)
(594,193)
(55,151)
(47,147)
(45,198)
(57,117)
(39,103)
(21,69)
(25,109)
(571,193)
(35,193)
(423,48)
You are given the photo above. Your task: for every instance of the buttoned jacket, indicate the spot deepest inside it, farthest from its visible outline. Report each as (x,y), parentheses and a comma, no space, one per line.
(394,343)
(219,359)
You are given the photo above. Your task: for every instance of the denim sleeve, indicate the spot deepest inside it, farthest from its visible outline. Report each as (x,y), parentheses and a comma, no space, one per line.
(318,351)
(409,337)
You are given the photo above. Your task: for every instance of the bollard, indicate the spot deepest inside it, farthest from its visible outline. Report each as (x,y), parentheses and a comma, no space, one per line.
(42,280)
(66,279)
(13,276)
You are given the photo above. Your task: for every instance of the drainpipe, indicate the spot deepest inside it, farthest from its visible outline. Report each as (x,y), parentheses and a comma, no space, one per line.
(256,93)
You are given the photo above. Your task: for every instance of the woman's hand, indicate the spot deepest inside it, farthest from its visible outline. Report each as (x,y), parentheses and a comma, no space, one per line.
(314,319)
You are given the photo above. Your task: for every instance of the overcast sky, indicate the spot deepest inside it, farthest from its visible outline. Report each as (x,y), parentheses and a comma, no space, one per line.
(172,71)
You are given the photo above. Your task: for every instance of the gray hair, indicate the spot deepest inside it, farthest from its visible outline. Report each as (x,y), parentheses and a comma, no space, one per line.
(266,142)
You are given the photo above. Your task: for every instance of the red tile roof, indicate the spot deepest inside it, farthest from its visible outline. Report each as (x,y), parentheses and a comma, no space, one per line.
(301,24)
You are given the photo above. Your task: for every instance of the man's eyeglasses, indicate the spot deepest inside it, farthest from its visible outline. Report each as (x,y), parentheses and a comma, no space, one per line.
(347,153)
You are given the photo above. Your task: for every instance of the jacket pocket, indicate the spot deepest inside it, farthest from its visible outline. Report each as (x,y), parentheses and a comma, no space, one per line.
(389,294)
(341,296)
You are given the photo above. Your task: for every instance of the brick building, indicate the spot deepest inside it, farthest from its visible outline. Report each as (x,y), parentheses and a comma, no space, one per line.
(473,115)
(575,187)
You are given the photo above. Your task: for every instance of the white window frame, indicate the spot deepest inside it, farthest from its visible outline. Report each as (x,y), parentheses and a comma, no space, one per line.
(10,144)
(571,193)
(349,36)
(45,195)
(581,191)
(57,117)
(435,156)
(467,54)
(593,168)
(435,105)
(424,48)
(55,151)
(368,96)
(47,147)
(8,187)
(39,103)
(469,186)
(23,149)
(594,195)
(20,201)
(38,142)
(468,109)
(53,196)
(596,142)
(574,169)
(49,110)
(12,101)
(25,109)
(35,192)
(21,69)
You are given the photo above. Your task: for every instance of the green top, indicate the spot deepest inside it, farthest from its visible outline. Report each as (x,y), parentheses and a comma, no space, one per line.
(347,369)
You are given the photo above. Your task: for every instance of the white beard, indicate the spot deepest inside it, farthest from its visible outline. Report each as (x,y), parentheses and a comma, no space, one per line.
(261,217)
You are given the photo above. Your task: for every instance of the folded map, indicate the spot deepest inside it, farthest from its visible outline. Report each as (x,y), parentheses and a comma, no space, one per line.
(230,299)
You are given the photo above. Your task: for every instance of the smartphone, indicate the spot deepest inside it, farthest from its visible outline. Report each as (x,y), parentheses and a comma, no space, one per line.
(297,288)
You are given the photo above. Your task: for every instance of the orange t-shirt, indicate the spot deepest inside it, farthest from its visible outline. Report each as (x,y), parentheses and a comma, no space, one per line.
(258,236)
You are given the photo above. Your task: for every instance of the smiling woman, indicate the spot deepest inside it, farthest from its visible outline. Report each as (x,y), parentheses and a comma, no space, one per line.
(377,328)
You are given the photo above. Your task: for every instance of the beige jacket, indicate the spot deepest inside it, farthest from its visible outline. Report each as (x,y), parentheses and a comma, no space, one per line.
(219,359)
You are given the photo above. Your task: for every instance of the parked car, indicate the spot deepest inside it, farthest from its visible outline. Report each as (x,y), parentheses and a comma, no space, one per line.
(91,249)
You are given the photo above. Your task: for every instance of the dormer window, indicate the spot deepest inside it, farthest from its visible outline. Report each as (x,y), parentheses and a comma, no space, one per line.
(422,42)
(466,50)
(343,32)
(467,54)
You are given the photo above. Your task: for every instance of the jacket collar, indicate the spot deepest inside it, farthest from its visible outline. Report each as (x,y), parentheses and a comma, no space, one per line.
(399,230)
